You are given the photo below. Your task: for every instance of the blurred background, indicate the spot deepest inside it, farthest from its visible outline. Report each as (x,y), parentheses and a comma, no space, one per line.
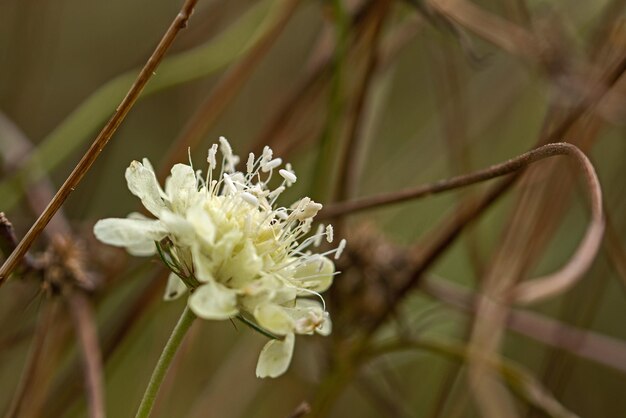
(363,97)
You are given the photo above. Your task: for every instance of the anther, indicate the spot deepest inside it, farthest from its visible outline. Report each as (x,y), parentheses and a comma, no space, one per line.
(288,175)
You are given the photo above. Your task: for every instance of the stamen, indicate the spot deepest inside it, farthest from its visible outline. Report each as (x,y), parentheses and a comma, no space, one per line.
(276,192)
(329,233)
(225,147)
(250,163)
(267,154)
(270,165)
(288,175)
(211,158)
(319,234)
(250,198)
(228,183)
(340,248)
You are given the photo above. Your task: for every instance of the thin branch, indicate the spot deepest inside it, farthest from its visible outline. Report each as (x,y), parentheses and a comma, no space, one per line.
(46,319)
(349,162)
(532,290)
(85,326)
(519,379)
(590,345)
(509,167)
(229,85)
(505,34)
(79,304)
(179,22)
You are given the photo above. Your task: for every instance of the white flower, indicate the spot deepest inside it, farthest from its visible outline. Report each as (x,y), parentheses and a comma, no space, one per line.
(225,239)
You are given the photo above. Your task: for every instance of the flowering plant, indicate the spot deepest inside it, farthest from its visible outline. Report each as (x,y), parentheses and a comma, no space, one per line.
(228,243)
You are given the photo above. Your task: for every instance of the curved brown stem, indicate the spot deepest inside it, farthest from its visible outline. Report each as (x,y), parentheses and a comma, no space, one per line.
(531,291)
(179,22)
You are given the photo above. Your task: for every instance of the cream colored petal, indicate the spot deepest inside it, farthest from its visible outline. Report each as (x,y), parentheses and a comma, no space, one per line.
(316,312)
(136,235)
(175,287)
(181,187)
(203,265)
(213,301)
(145,249)
(274,318)
(202,224)
(243,267)
(275,357)
(308,316)
(316,275)
(326,327)
(142,183)
(179,227)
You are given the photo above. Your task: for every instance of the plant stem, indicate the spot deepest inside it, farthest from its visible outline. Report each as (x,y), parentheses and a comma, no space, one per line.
(181,328)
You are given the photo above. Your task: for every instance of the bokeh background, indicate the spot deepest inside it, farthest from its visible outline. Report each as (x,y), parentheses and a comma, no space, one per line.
(363,97)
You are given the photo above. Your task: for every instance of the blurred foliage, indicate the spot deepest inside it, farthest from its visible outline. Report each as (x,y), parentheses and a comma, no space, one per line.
(415,92)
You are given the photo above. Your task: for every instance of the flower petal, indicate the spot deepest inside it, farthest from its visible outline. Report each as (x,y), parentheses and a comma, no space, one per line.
(243,267)
(326,327)
(137,235)
(181,187)
(275,357)
(274,318)
(142,183)
(202,224)
(316,274)
(175,287)
(203,266)
(309,316)
(213,301)
(182,231)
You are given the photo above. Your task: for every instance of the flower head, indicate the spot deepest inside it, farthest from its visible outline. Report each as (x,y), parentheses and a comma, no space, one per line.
(227,242)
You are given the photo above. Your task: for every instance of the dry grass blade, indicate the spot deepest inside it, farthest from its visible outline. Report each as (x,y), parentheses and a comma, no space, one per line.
(229,85)
(46,319)
(85,326)
(520,380)
(586,344)
(504,34)
(552,284)
(179,22)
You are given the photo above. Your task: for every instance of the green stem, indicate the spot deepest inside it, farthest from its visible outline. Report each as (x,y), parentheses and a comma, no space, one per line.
(169,351)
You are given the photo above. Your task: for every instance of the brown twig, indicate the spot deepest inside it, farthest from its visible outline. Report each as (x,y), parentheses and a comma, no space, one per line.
(8,240)
(59,233)
(509,167)
(85,326)
(227,88)
(587,344)
(302,410)
(349,162)
(531,292)
(44,323)
(179,22)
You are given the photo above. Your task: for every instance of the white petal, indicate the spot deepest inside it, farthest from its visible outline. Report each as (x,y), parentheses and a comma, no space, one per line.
(274,318)
(309,317)
(144,249)
(275,357)
(243,267)
(202,223)
(326,327)
(175,287)
(135,234)
(178,226)
(213,301)
(181,187)
(203,265)
(142,183)
(316,274)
